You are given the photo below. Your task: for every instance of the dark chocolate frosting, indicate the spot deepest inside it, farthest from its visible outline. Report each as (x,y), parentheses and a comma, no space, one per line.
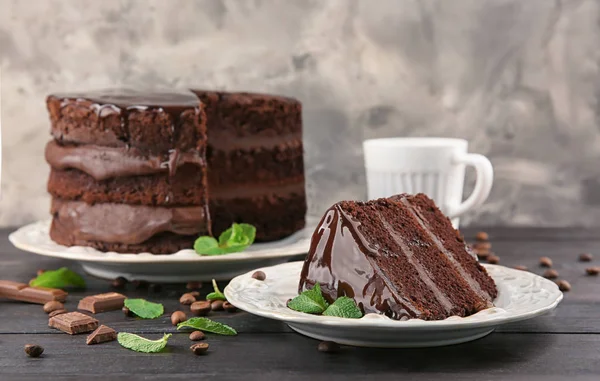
(123,223)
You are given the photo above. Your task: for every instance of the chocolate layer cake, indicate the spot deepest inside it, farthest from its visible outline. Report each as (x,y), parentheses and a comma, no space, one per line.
(397,256)
(129,169)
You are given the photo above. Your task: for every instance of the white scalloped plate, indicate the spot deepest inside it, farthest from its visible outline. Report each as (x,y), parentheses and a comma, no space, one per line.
(522,295)
(182,266)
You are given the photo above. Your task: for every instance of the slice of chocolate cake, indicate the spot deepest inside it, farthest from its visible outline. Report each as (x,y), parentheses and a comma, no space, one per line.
(397,256)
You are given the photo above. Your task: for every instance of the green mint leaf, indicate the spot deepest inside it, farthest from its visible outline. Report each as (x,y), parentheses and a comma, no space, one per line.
(206,245)
(217,295)
(144,309)
(231,235)
(60,278)
(207,325)
(344,307)
(141,344)
(249,232)
(310,301)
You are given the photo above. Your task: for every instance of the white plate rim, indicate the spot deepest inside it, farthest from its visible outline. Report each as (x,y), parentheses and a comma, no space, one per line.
(296,244)
(456,323)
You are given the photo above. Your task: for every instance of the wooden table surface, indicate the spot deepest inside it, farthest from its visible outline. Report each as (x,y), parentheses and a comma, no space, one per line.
(562,345)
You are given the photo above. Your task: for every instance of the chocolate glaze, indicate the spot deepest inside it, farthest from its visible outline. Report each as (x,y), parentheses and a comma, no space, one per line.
(341,260)
(122,223)
(107,162)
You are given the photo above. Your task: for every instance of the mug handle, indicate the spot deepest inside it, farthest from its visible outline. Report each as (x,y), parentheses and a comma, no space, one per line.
(483,184)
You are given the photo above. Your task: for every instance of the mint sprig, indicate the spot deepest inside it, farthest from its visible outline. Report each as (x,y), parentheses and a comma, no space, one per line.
(313,302)
(207,325)
(144,309)
(344,307)
(235,239)
(60,278)
(217,294)
(141,344)
(310,301)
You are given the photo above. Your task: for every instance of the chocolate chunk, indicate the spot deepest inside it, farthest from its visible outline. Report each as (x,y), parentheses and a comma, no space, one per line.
(259,275)
(101,335)
(110,301)
(53,306)
(545,262)
(73,323)
(34,350)
(199,348)
(585,257)
(24,293)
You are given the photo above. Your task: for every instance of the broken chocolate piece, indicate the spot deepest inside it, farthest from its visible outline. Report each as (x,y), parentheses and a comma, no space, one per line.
(24,293)
(111,301)
(73,323)
(101,335)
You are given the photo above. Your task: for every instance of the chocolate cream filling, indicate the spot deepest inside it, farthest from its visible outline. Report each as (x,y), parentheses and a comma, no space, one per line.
(122,223)
(107,162)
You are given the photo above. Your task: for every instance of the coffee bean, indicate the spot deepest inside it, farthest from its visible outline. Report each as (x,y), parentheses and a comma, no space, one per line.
(201,308)
(140,284)
(187,299)
(178,317)
(197,336)
(229,307)
(585,257)
(53,306)
(217,305)
(195,294)
(193,285)
(482,254)
(259,275)
(545,262)
(118,283)
(57,312)
(521,267)
(328,347)
(551,274)
(33,350)
(199,348)
(127,312)
(482,236)
(482,246)
(564,286)
(155,288)
(592,270)
(40,272)
(493,259)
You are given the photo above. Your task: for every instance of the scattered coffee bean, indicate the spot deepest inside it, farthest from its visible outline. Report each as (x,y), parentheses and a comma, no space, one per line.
(40,272)
(201,308)
(482,254)
(328,347)
(585,257)
(217,305)
(187,299)
(592,270)
(195,294)
(521,267)
(199,348)
(118,283)
(564,286)
(127,312)
(482,246)
(53,306)
(33,350)
(493,259)
(197,336)
(545,262)
(259,275)
(193,285)
(155,287)
(482,236)
(140,284)
(229,307)
(57,312)
(178,317)
(551,274)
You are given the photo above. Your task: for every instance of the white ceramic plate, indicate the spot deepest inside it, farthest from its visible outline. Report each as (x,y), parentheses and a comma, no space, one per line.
(522,295)
(182,266)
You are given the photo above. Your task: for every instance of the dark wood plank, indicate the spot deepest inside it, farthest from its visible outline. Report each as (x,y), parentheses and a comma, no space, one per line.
(291,356)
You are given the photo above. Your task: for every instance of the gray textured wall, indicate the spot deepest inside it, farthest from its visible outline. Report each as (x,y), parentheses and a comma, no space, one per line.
(517,78)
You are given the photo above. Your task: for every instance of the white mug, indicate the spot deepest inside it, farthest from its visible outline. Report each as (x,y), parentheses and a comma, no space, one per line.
(434,166)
